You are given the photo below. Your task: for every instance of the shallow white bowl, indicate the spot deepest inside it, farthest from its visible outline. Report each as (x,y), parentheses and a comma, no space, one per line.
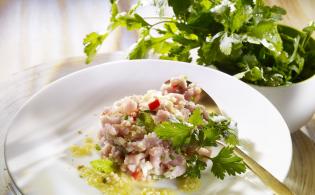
(38,138)
(295,102)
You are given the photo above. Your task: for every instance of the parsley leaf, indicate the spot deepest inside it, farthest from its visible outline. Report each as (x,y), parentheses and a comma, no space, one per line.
(177,133)
(226,162)
(145,119)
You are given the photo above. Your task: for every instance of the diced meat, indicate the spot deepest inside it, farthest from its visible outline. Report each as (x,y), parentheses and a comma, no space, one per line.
(108,130)
(178,160)
(137,146)
(155,158)
(151,140)
(192,93)
(175,85)
(129,106)
(110,119)
(176,172)
(204,152)
(107,148)
(121,129)
(145,167)
(134,159)
(161,116)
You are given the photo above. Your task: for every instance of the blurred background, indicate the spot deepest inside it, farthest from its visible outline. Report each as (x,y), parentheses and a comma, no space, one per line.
(40,31)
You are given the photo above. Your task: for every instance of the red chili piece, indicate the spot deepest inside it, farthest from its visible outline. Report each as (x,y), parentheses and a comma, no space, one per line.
(154,105)
(137,174)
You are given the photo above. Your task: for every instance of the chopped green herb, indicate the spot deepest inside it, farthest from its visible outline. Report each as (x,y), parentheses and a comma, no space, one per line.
(103,165)
(145,119)
(97,147)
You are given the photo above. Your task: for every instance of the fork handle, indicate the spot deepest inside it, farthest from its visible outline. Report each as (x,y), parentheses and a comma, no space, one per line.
(266,177)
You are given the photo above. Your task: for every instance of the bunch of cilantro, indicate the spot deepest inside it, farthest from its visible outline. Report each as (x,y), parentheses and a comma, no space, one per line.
(188,137)
(239,37)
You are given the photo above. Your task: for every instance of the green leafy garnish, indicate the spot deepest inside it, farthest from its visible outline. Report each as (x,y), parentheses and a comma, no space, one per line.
(198,133)
(103,165)
(92,42)
(239,37)
(226,162)
(129,20)
(177,133)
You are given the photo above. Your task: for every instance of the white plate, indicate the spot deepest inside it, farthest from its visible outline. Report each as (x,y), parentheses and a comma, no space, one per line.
(38,139)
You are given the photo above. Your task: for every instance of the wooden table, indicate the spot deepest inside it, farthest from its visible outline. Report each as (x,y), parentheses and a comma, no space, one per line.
(33,32)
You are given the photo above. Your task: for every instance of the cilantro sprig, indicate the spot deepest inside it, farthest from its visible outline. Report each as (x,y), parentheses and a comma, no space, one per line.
(201,133)
(226,162)
(239,37)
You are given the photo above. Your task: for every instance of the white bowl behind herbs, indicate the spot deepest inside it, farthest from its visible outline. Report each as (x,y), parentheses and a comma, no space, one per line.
(295,102)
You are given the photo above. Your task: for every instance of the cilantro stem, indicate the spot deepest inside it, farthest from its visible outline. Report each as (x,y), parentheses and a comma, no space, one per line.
(160,22)
(168,18)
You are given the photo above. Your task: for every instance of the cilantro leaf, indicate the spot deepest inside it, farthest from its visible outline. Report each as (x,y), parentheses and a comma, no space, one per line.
(226,43)
(194,167)
(196,118)
(92,42)
(262,13)
(103,165)
(230,137)
(309,31)
(222,127)
(141,48)
(227,163)
(242,14)
(177,133)
(310,28)
(131,22)
(211,135)
(145,119)
(268,36)
(254,74)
